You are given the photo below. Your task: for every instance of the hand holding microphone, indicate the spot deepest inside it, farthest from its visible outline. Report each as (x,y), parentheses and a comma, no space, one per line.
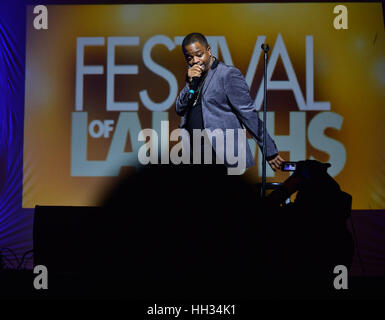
(194,73)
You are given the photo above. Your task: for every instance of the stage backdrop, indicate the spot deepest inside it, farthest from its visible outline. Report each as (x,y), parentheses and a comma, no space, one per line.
(101,73)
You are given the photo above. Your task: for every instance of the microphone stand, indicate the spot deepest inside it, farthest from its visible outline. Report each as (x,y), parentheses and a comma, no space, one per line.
(265,48)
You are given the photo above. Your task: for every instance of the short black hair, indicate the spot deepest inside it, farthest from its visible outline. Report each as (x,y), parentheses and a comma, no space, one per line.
(194,37)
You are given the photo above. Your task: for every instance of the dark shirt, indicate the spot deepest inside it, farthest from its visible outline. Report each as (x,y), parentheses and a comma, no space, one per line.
(194,118)
(195,121)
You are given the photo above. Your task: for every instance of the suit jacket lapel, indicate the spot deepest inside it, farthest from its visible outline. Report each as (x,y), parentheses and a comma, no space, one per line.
(208,79)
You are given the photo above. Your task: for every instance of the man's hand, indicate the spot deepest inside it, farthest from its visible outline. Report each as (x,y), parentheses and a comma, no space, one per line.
(194,71)
(276,162)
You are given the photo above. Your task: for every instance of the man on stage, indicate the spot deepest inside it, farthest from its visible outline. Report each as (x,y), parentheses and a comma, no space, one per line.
(216,96)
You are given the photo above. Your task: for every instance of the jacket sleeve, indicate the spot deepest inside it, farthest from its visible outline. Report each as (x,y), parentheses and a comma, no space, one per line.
(237,92)
(181,101)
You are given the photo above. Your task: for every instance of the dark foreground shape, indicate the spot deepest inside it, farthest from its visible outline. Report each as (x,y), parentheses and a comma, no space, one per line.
(195,232)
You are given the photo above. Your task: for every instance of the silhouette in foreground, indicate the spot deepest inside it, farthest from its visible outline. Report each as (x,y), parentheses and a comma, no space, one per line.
(194,232)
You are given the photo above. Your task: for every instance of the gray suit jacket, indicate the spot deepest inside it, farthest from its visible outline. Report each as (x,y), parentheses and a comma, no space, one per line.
(226,104)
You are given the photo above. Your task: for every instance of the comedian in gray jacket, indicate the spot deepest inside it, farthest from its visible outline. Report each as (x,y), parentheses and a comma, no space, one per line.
(221,99)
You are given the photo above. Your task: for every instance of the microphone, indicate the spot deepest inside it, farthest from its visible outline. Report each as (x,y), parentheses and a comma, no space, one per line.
(265,48)
(193,87)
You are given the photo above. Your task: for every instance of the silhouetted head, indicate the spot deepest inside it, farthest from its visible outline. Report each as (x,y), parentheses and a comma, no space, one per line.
(186,225)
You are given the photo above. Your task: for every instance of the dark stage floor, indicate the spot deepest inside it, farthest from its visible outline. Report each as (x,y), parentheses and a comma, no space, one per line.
(19,285)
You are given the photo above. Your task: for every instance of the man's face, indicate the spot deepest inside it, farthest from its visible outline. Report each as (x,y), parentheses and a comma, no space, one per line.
(197,53)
